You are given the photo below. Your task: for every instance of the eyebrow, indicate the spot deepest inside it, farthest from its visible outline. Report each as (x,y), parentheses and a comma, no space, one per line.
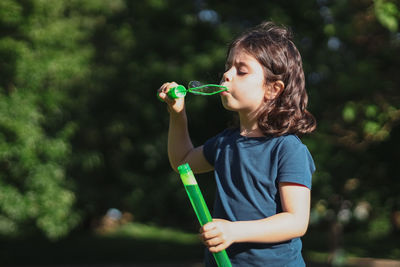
(238,63)
(241,63)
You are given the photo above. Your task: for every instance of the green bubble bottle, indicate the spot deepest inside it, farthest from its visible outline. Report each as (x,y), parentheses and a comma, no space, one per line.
(200,207)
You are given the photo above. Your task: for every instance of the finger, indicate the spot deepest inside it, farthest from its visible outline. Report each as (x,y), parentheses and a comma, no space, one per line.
(214,242)
(169,101)
(162,88)
(162,94)
(172,84)
(208,226)
(217,248)
(211,234)
(166,87)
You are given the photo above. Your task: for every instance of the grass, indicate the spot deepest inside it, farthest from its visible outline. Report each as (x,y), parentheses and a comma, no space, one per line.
(136,243)
(140,231)
(130,243)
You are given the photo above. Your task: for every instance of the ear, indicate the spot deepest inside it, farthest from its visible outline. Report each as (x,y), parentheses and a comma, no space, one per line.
(274,89)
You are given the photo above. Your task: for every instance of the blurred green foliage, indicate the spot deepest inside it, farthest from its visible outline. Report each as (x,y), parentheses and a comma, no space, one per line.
(38,64)
(81,130)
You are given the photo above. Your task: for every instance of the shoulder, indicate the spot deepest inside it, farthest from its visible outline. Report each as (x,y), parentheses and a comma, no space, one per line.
(290,148)
(289,143)
(289,140)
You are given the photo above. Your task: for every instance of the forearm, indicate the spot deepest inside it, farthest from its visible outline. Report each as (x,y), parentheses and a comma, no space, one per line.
(179,143)
(278,228)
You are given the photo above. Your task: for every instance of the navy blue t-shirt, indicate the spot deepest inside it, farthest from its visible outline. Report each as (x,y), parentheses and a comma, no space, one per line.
(247,172)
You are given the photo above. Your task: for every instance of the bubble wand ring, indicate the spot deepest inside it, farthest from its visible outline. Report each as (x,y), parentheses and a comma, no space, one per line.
(198,89)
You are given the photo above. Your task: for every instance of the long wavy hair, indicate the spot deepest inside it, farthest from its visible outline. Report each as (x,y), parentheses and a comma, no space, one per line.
(274,49)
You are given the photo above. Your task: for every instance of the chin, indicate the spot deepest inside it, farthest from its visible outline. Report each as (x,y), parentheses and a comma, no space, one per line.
(227,107)
(225,104)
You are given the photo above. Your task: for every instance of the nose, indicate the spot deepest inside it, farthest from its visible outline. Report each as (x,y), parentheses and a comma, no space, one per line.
(227,77)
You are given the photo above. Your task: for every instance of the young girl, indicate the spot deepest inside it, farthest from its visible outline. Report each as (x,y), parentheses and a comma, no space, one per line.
(262,170)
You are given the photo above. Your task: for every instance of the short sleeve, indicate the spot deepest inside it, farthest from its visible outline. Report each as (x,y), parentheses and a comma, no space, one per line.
(296,164)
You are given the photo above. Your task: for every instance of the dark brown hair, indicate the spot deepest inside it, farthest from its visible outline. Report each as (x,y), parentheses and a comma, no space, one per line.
(272,46)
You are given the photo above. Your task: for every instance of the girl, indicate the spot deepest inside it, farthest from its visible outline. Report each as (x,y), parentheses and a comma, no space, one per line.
(262,170)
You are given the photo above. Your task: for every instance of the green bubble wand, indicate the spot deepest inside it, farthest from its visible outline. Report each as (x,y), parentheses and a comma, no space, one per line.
(197,88)
(200,207)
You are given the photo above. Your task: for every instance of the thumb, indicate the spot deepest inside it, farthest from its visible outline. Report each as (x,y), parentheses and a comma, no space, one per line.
(208,226)
(165,98)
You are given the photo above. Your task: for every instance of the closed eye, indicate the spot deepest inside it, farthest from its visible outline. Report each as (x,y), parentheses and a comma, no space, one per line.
(242,71)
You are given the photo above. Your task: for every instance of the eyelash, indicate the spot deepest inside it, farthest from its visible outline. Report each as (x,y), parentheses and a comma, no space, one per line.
(239,72)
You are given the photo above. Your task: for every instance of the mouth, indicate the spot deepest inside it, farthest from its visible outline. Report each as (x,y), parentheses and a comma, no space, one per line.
(224,93)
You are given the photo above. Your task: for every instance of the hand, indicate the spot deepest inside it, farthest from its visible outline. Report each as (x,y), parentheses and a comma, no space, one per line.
(217,235)
(174,105)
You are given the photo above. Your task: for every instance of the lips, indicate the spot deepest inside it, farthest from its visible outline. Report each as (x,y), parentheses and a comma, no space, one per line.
(226,92)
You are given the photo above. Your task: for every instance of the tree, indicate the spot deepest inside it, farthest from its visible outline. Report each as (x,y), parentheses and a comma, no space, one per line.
(42,56)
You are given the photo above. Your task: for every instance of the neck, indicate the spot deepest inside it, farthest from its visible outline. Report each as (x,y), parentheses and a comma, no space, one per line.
(249,126)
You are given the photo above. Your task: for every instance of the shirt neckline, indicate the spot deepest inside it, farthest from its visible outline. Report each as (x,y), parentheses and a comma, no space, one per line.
(250,139)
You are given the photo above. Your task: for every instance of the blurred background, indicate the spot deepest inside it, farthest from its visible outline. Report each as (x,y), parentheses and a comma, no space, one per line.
(84,172)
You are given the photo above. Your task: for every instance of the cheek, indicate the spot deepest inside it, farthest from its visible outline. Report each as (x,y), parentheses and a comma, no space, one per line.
(256,94)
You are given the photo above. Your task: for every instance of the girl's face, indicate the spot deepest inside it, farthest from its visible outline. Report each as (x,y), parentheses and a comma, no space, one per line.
(244,77)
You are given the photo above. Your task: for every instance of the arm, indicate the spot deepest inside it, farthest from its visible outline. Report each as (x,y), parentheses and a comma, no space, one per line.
(180,147)
(292,222)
